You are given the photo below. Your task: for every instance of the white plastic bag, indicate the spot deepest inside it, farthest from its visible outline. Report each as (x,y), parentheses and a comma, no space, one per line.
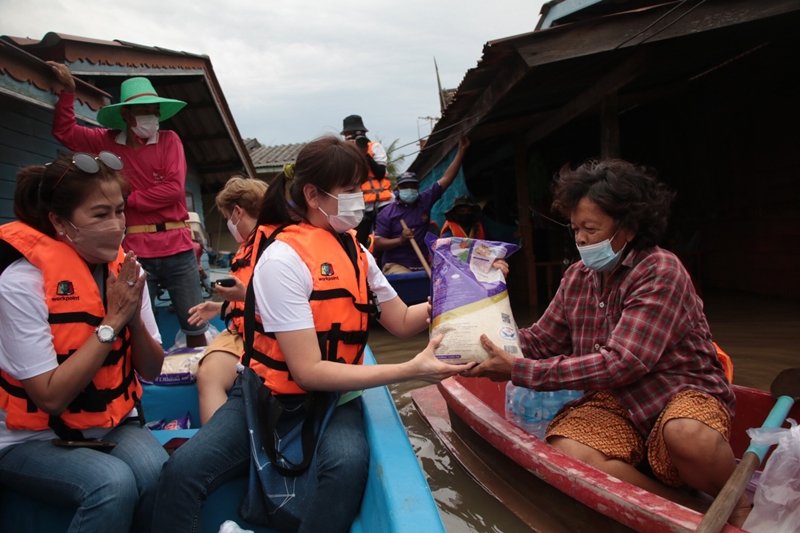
(776,505)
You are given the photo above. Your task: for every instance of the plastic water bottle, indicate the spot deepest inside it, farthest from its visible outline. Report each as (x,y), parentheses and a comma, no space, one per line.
(515,404)
(533,421)
(533,410)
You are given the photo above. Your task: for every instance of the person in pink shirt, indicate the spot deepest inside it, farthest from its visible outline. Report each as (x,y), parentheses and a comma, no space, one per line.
(155,169)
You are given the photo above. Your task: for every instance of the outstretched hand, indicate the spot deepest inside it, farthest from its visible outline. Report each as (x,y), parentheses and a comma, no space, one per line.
(497,367)
(428,368)
(203,312)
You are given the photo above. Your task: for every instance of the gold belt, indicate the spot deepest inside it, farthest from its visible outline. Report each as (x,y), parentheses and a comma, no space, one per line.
(154,228)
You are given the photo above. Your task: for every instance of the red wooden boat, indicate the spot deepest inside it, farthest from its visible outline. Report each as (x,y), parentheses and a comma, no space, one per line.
(470,413)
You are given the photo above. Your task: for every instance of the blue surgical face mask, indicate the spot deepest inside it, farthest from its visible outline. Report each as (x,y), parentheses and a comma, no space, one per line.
(408,196)
(600,257)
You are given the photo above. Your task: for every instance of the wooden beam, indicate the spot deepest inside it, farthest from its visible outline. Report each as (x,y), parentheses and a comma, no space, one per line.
(520,122)
(609,128)
(525,226)
(504,81)
(608,84)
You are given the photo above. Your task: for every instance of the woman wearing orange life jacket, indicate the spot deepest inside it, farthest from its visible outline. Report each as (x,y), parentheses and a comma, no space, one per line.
(313,288)
(239,202)
(77,328)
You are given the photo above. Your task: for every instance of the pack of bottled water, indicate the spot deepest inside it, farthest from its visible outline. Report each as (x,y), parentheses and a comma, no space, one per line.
(533,410)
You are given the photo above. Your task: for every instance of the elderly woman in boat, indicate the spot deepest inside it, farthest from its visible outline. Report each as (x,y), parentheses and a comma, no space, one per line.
(627,327)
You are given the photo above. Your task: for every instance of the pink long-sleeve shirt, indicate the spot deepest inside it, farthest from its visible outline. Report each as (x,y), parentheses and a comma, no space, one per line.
(156,173)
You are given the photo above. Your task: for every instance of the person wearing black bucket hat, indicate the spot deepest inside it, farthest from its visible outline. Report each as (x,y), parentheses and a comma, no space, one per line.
(377,188)
(155,169)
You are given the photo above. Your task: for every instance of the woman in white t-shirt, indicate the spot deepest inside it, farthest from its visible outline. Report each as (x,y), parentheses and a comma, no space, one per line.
(315,289)
(76,331)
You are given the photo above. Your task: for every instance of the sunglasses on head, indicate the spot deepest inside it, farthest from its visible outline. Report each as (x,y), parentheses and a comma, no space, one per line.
(90,164)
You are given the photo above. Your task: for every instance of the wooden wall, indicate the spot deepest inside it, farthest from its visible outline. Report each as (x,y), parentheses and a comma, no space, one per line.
(25,139)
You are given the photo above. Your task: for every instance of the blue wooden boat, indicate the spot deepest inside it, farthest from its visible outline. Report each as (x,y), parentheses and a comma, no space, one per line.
(412,287)
(396,499)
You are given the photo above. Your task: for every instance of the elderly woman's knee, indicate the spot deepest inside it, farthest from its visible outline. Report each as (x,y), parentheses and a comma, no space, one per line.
(687,437)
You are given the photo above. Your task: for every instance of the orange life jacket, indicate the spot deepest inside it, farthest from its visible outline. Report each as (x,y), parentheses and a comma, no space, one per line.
(75,309)
(456,230)
(375,190)
(726,362)
(340,301)
(242,269)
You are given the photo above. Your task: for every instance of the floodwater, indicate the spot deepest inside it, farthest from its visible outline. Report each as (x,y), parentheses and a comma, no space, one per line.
(760,334)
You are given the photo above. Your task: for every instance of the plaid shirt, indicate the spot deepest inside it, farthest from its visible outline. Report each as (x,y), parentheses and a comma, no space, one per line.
(643,337)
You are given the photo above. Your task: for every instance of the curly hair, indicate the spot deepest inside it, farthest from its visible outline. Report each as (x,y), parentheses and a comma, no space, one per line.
(630,194)
(248,193)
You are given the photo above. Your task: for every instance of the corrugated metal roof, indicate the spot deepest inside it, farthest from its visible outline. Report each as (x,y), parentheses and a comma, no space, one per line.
(524,81)
(272,157)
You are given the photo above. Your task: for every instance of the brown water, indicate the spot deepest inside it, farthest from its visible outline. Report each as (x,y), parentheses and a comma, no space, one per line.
(760,334)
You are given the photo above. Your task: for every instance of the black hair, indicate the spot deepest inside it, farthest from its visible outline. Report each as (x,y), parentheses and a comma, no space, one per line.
(326,162)
(630,194)
(59,188)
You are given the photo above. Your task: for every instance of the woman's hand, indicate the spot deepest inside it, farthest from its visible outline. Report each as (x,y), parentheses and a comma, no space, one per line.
(428,368)
(497,367)
(232,294)
(201,313)
(63,75)
(124,293)
(502,266)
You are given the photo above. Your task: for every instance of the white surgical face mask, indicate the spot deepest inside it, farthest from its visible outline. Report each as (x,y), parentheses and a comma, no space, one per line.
(349,211)
(146,126)
(600,256)
(232,227)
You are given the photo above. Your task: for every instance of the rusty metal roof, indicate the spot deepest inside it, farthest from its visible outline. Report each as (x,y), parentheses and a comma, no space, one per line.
(210,136)
(527,86)
(272,158)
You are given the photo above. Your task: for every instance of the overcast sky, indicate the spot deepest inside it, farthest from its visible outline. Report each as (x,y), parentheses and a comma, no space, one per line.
(292,70)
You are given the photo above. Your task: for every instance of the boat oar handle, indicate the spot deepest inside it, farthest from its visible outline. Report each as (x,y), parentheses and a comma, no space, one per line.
(417,251)
(719,512)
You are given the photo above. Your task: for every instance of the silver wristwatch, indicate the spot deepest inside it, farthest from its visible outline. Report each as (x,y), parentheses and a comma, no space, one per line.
(105,333)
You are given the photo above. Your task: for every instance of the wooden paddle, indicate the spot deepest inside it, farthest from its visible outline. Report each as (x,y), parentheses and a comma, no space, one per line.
(786,389)
(417,251)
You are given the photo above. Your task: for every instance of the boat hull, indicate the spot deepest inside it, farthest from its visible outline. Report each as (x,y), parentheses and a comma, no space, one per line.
(396,499)
(411,287)
(479,405)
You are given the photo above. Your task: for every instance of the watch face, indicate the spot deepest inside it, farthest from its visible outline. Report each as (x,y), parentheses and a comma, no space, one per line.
(105,333)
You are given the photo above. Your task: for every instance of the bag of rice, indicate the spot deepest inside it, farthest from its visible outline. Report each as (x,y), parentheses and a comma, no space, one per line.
(470,298)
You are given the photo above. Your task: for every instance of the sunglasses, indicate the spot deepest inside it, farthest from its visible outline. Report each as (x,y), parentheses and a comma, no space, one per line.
(89,164)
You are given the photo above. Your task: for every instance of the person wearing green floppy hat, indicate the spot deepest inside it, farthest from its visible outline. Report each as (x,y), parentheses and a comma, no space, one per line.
(154,166)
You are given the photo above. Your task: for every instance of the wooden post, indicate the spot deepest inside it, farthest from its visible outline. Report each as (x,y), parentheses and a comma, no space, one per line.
(609,127)
(524,214)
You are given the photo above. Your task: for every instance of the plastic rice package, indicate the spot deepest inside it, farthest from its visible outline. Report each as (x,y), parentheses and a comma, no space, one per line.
(180,366)
(184,422)
(470,298)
